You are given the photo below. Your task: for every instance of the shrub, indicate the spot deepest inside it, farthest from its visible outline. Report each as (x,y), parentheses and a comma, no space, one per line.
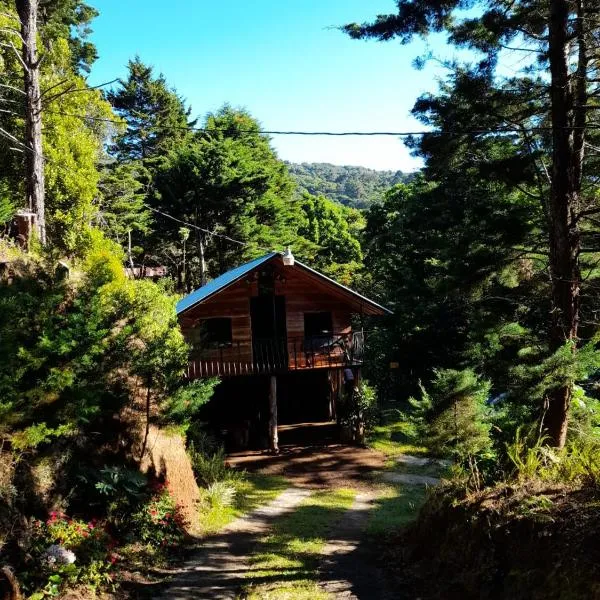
(211,467)
(358,413)
(453,415)
(67,551)
(159,521)
(114,490)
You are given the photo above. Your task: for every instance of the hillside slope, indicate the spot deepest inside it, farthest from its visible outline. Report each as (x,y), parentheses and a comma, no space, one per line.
(352,186)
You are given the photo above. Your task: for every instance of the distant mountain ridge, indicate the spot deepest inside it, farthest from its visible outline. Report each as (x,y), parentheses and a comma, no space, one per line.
(352,186)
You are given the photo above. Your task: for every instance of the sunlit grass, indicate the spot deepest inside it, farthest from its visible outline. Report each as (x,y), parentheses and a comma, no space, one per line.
(286,561)
(395,436)
(251,492)
(396,506)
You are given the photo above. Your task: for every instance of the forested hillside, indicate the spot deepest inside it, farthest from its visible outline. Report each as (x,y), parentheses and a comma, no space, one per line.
(358,187)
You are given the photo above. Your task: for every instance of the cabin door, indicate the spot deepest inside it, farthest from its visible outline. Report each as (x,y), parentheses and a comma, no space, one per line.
(269,338)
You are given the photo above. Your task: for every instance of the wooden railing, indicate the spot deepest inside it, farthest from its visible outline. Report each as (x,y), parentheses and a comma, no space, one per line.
(279,355)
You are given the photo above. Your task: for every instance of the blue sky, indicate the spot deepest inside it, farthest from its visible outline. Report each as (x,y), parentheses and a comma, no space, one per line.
(283,61)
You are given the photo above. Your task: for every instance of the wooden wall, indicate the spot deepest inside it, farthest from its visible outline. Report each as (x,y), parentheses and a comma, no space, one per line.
(302,294)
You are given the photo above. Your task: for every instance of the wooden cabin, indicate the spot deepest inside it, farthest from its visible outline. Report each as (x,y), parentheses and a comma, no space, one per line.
(275,328)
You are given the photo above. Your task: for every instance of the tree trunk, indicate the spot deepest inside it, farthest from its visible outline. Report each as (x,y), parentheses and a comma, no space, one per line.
(273,436)
(567,112)
(201,256)
(34,157)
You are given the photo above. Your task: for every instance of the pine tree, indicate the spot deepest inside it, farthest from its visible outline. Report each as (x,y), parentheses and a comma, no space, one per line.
(545,122)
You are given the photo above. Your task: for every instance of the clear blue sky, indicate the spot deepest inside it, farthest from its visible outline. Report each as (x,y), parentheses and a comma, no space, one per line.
(283,61)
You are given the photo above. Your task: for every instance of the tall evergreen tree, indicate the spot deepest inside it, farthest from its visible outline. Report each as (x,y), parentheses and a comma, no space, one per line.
(229,182)
(546,121)
(156,117)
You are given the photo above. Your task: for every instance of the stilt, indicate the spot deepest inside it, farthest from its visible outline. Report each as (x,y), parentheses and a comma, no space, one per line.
(273,437)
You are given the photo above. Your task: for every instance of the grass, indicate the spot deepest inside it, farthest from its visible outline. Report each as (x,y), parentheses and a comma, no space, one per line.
(395,436)
(396,506)
(285,564)
(252,491)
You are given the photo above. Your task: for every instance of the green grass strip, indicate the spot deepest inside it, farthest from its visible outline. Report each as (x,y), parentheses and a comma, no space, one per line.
(251,492)
(285,564)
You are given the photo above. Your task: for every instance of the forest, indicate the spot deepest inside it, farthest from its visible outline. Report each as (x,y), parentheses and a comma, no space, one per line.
(357,187)
(488,257)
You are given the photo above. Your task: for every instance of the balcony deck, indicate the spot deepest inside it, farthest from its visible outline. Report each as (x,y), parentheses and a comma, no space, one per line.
(330,351)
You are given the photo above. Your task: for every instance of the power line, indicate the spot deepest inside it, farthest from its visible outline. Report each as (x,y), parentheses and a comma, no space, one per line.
(207,231)
(499,130)
(11,138)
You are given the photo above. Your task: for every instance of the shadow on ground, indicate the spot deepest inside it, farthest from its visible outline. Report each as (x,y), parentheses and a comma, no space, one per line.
(312,456)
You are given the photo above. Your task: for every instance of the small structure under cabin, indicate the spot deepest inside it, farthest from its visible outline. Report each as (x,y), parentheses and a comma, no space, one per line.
(280,335)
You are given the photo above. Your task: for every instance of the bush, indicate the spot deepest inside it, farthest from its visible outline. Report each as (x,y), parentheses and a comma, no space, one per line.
(454,420)
(160,521)
(208,462)
(220,494)
(358,413)
(67,551)
(114,491)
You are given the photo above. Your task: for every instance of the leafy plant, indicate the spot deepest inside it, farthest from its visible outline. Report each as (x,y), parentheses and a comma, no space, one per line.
(220,494)
(159,521)
(210,467)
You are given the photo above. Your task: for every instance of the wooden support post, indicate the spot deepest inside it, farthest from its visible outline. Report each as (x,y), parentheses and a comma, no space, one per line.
(273,437)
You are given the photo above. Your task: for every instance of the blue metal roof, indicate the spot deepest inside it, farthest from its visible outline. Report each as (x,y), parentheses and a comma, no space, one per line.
(220,283)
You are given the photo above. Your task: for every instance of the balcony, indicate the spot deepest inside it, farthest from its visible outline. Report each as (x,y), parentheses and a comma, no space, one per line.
(264,357)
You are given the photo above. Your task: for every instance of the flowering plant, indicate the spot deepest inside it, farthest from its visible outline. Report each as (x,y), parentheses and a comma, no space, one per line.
(160,521)
(70,551)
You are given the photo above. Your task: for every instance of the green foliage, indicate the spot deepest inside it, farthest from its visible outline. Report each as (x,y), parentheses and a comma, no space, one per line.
(159,522)
(228,181)
(220,494)
(453,418)
(356,187)
(34,435)
(7,206)
(122,209)
(358,412)
(182,406)
(92,555)
(209,467)
(577,463)
(64,341)
(117,492)
(156,117)
(334,230)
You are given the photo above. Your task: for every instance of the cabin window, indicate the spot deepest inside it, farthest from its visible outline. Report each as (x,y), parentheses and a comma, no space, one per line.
(215,333)
(318,324)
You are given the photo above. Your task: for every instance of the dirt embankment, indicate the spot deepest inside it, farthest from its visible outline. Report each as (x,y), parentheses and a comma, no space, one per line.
(526,542)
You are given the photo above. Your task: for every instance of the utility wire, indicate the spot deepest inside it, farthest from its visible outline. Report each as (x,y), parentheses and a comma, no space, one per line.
(499,130)
(164,214)
(211,233)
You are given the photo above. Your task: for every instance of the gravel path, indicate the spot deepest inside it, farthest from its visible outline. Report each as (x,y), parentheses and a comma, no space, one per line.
(219,569)
(410,479)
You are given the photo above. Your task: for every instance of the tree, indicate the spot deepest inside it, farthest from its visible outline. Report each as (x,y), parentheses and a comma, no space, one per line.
(34,157)
(229,184)
(334,229)
(62,164)
(156,117)
(548,121)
